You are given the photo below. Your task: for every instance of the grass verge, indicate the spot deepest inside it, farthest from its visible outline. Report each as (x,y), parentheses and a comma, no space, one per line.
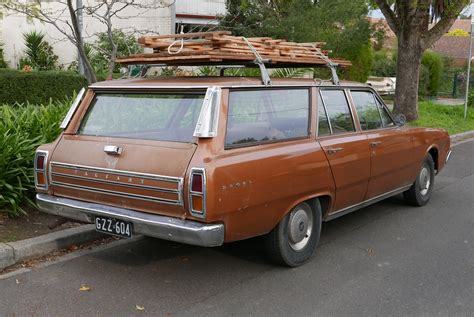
(450,118)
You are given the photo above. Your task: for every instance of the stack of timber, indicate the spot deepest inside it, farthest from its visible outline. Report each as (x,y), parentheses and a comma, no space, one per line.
(220,48)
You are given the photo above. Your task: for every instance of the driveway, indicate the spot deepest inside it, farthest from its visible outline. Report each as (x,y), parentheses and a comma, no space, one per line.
(387,259)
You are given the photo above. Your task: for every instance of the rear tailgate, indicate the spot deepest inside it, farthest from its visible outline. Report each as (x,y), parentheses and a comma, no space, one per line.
(147,175)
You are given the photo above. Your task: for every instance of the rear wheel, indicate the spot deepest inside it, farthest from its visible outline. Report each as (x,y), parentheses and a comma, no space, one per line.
(420,192)
(295,238)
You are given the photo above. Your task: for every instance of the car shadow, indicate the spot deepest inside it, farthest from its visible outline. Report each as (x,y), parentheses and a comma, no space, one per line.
(151,250)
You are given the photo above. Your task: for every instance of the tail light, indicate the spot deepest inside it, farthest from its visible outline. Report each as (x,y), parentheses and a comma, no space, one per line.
(41,178)
(197,192)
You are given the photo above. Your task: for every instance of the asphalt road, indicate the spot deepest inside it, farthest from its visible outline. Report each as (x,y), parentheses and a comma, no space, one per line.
(387,259)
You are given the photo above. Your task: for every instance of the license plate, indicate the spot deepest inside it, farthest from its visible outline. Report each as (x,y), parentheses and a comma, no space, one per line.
(114,226)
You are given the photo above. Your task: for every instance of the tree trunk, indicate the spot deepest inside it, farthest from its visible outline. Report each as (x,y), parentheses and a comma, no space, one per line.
(113,58)
(408,72)
(88,70)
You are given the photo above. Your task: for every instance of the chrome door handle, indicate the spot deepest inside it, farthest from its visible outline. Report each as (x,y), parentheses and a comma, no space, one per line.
(112,150)
(334,150)
(375,143)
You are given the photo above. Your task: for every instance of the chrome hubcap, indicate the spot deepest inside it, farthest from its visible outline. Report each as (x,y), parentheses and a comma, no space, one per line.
(424,180)
(300,226)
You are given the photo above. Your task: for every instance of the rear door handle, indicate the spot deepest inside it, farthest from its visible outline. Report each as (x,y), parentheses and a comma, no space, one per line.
(375,143)
(334,150)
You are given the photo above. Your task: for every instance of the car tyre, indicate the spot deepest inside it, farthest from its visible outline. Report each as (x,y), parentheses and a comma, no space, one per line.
(293,241)
(420,192)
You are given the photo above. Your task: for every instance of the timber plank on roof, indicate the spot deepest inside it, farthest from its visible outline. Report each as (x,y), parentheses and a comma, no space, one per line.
(221,47)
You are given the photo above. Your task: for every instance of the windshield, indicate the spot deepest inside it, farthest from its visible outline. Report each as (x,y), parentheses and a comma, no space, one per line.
(164,117)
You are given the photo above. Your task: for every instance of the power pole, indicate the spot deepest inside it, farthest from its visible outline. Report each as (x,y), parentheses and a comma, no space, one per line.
(80,23)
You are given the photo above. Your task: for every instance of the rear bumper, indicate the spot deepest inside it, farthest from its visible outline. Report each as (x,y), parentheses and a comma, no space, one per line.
(167,228)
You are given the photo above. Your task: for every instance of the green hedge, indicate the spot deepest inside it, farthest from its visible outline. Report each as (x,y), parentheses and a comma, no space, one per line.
(38,87)
(22,129)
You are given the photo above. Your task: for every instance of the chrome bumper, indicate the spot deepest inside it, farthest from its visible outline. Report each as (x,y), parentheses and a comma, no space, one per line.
(448,157)
(163,227)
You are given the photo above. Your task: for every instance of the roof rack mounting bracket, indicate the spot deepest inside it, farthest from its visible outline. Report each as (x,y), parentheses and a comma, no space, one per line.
(335,78)
(261,63)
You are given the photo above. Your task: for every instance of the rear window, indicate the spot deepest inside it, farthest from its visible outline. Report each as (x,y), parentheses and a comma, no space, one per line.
(267,115)
(164,117)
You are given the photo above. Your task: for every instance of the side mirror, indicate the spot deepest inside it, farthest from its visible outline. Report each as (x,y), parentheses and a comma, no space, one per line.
(400,119)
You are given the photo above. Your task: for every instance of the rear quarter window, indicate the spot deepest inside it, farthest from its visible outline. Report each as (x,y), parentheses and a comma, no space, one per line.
(267,115)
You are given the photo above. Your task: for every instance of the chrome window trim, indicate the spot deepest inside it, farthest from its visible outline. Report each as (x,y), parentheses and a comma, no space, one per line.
(177,180)
(44,170)
(379,100)
(273,87)
(202,171)
(344,91)
(208,121)
(376,105)
(326,112)
(72,109)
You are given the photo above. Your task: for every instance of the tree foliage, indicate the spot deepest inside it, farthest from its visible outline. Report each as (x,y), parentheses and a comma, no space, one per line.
(100,52)
(339,23)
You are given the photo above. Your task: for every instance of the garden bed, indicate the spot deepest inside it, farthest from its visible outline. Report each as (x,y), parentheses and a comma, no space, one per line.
(35,224)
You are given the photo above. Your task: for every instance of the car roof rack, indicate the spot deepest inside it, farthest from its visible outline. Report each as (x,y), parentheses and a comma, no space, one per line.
(222,49)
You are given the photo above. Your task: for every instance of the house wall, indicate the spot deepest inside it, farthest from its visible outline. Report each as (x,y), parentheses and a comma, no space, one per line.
(155,21)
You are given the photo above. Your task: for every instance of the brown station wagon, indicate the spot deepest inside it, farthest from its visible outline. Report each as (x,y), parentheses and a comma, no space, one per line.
(210,160)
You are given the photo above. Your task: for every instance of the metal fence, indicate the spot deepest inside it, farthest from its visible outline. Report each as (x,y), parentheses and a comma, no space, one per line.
(453,84)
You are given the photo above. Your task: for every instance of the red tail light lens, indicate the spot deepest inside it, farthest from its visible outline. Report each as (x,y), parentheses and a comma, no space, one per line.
(41,159)
(40,162)
(197,183)
(197,192)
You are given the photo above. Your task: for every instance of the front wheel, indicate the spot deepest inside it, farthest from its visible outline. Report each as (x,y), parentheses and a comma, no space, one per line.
(420,192)
(294,239)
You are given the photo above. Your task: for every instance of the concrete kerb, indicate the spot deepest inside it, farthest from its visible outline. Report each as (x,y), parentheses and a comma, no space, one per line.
(455,138)
(14,252)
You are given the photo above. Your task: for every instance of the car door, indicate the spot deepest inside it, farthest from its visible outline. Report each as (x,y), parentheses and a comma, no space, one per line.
(346,149)
(391,165)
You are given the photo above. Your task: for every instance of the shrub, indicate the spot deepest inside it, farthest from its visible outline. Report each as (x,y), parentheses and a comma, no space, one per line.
(38,87)
(22,129)
(361,64)
(458,32)
(433,62)
(3,63)
(384,64)
(470,100)
(39,54)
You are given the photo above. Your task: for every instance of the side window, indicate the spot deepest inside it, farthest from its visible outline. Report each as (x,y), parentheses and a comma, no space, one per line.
(256,116)
(338,111)
(386,119)
(323,123)
(367,110)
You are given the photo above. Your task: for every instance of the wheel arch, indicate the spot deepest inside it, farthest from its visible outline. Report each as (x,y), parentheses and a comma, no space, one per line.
(325,200)
(434,152)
